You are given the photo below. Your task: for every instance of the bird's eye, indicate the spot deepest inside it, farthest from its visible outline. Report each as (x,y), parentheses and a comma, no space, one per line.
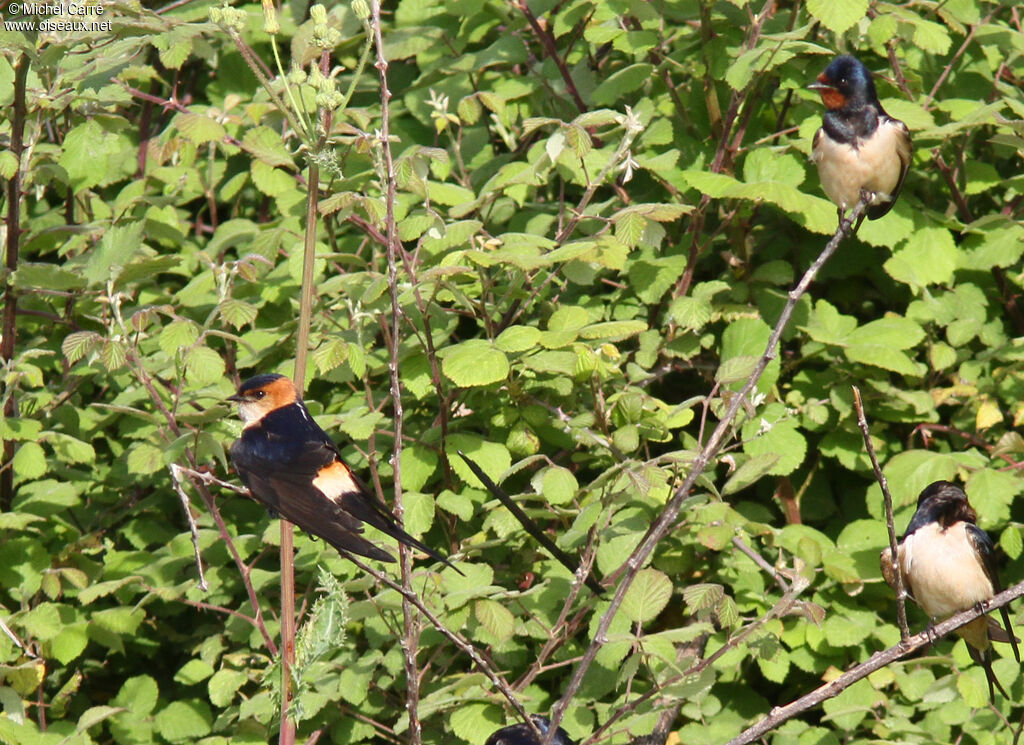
(260,394)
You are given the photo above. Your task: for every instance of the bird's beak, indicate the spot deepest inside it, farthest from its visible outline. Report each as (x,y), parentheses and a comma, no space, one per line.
(237,398)
(821,84)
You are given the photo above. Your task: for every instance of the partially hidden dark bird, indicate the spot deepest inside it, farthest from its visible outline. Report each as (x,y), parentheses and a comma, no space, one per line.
(294,468)
(521,734)
(948,565)
(858,147)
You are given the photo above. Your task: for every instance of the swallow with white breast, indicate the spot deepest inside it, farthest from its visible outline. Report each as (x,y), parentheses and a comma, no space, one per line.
(859,148)
(293,468)
(948,565)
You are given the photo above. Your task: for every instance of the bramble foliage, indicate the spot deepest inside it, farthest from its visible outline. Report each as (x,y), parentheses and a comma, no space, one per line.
(602,206)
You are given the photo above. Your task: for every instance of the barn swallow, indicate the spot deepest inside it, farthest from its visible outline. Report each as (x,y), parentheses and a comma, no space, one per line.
(521,734)
(293,468)
(858,147)
(948,564)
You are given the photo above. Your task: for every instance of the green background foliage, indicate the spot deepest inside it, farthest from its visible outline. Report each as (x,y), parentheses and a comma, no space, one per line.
(602,204)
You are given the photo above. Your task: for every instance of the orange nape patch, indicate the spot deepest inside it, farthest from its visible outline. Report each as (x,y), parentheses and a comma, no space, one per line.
(281,392)
(832,98)
(335,481)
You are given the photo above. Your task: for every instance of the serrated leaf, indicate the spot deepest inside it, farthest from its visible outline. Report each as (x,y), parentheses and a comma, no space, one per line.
(203,366)
(496,618)
(558,485)
(29,461)
(475,722)
(184,721)
(702,596)
(648,596)
(198,128)
(78,344)
(224,684)
(838,17)
(474,362)
(238,312)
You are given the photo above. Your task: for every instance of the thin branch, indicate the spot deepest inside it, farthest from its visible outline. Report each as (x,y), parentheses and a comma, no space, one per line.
(669,515)
(547,40)
(186,508)
(455,638)
(761,562)
(8,331)
(199,481)
(876,662)
(411,626)
(901,593)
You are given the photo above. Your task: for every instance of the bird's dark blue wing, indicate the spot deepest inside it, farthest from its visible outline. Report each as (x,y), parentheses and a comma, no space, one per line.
(986,553)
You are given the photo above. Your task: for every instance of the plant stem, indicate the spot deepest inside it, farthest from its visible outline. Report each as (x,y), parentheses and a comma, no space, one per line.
(10,316)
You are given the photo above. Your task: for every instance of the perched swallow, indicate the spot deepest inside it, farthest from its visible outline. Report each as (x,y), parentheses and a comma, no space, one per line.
(521,734)
(858,147)
(949,565)
(293,468)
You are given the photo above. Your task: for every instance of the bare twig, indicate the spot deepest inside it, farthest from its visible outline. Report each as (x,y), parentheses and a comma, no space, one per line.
(411,628)
(547,40)
(876,662)
(186,508)
(455,638)
(199,481)
(760,561)
(901,593)
(667,519)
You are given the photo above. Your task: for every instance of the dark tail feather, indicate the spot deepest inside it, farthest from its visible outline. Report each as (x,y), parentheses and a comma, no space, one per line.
(1009,632)
(984,658)
(360,506)
(591,580)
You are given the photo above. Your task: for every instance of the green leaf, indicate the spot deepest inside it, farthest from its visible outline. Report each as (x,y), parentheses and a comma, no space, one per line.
(474,362)
(198,128)
(929,257)
(492,457)
(224,684)
(29,461)
(184,721)
(237,312)
(750,471)
(46,276)
(267,145)
(621,83)
(192,672)
(496,618)
(838,17)
(558,485)
(418,465)
(118,245)
(647,597)
(517,339)
(419,512)
(203,366)
(475,722)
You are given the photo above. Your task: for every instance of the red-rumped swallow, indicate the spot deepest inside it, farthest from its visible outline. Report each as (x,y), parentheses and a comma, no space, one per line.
(949,565)
(294,469)
(859,147)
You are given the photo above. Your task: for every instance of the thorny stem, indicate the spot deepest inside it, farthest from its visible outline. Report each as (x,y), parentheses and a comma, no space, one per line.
(410,641)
